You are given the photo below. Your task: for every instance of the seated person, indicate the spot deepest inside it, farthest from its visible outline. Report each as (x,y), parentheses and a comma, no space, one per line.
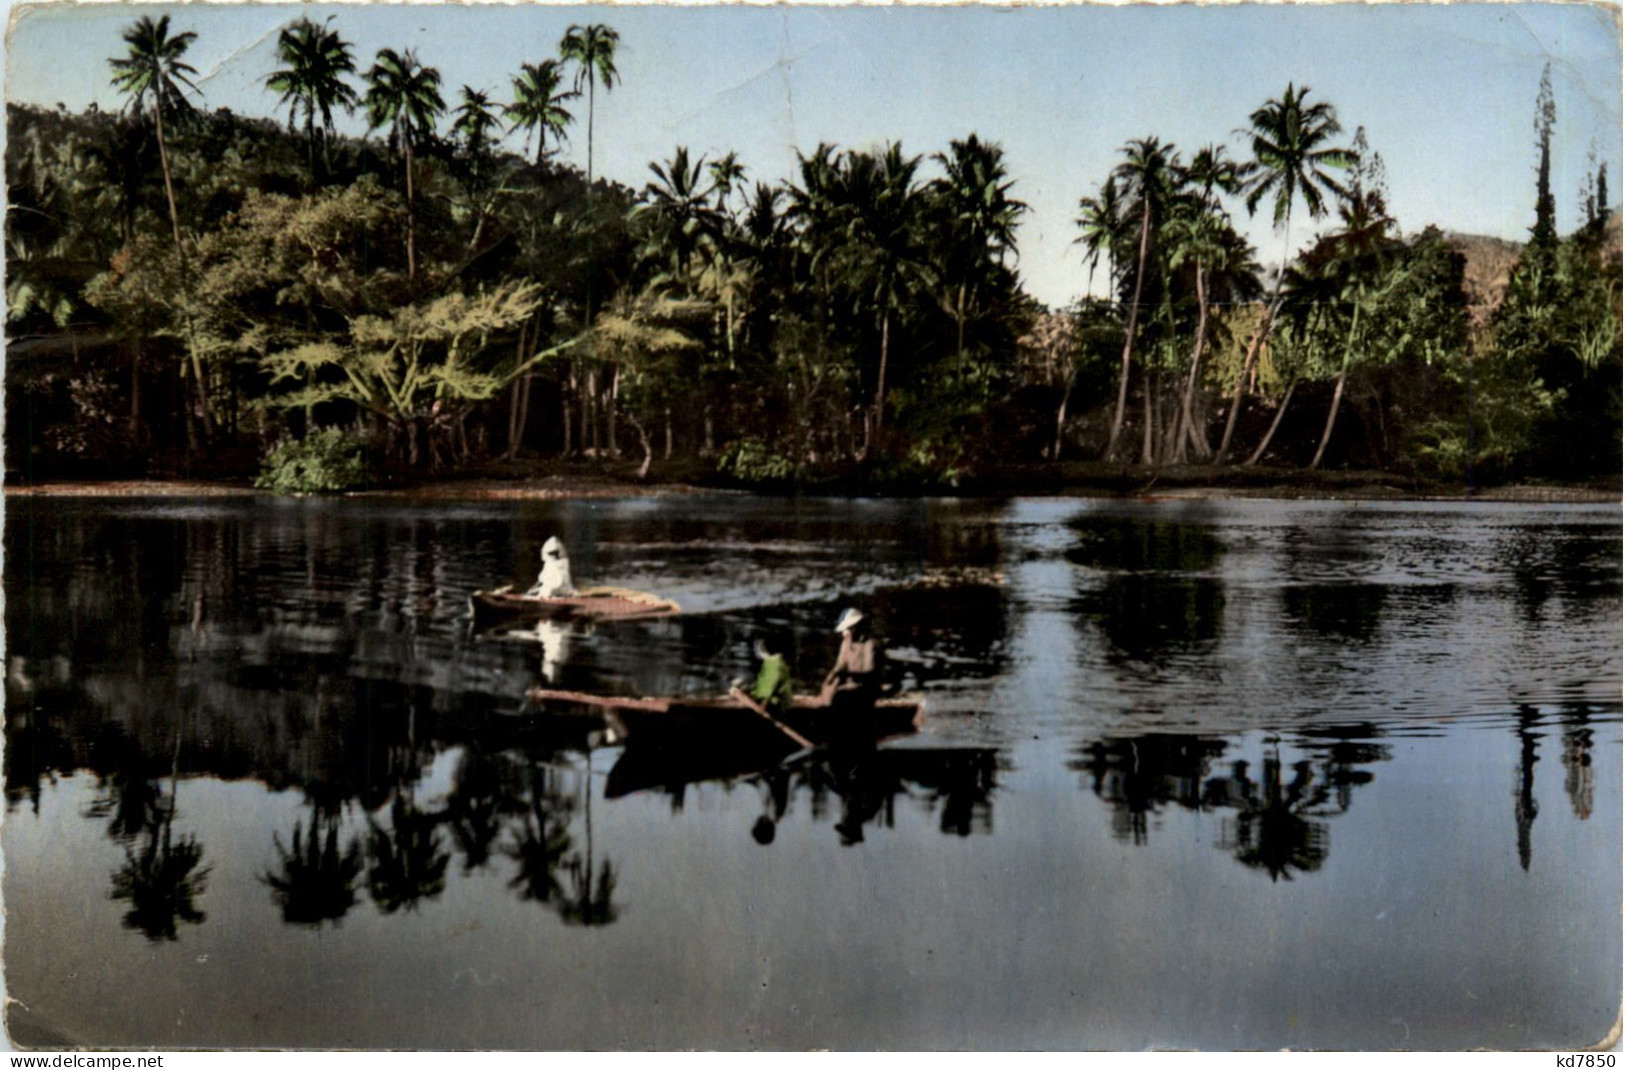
(773,688)
(554,579)
(855,680)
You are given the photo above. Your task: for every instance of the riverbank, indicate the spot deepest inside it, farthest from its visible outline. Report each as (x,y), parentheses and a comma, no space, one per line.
(1083,479)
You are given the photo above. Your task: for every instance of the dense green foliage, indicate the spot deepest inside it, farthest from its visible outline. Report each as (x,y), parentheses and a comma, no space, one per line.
(325,461)
(188,285)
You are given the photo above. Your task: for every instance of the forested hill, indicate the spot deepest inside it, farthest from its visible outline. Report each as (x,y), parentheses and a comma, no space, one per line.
(198,290)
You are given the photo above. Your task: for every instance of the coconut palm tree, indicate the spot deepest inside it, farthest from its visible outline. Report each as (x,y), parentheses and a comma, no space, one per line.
(538,105)
(1105,231)
(474,119)
(404,95)
(727,174)
(1292,161)
(1149,177)
(153,72)
(315,60)
(592,49)
(683,221)
(881,206)
(980,218)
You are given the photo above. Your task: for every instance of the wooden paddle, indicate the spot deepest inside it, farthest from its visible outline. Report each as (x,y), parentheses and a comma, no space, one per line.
(751,704)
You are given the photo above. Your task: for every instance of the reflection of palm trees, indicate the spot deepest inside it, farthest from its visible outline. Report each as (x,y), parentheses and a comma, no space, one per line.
(1577,778)
(1137,776)
(478,801)
(317,879)
(541,841)
(162,878)
(1271,831)
(590,899)
(1525,809)
(126,798)
(408,863)
(161,881)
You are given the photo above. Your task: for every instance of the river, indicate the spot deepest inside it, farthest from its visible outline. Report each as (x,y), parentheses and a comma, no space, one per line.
(1249,774)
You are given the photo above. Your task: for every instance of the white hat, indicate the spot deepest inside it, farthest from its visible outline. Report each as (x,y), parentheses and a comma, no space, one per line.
(849,618)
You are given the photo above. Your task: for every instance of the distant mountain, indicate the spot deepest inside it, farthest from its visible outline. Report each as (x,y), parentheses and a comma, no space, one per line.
(1489,268)
(1490,262)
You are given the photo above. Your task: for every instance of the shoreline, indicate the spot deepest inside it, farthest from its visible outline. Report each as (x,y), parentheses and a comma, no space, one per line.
(1119,483)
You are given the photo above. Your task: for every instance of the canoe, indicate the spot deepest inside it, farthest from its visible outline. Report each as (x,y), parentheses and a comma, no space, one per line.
(588,604)
(723,722)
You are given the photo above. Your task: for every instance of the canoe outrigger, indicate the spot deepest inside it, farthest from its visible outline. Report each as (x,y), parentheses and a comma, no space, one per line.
(587,604)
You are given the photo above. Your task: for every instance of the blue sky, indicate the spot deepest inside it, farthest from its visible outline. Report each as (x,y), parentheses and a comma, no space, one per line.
(1445,91)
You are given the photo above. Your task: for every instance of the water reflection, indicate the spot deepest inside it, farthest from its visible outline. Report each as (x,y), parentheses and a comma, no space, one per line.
(163,875)
(850,789)
(1525,808)
(311,664)
(1149,585)
(1273,810)
(316,878)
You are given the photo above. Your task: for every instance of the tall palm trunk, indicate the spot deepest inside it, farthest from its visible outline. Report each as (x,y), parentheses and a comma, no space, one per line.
(591,103)
(1269,436)
(1060,414)
(1258,343)
(169,185)
(411,217)
(202,387)
(880,385)
(1148,434)
(1128,332)
(1187,420)
(1253,349)
(1337,394)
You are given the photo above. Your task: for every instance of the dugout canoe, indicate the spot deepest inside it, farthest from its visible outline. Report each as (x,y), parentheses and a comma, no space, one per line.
(588,604)
(725,722)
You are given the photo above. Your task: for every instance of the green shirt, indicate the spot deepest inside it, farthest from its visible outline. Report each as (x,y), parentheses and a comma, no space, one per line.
(773,687)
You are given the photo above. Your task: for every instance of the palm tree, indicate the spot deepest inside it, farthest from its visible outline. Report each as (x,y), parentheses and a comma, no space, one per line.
(684,222)
(404,95)
(474,119)
(153,71)
(1100,218)
(539,106)
(1148,176)
(315,60)
(727,174)
(1291,162)
(981,216)
(881,206)
(592,49)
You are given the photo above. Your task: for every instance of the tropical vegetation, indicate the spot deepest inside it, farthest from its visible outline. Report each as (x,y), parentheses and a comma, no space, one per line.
(188,289)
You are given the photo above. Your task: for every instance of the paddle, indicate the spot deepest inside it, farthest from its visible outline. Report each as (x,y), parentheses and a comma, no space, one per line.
(751,704)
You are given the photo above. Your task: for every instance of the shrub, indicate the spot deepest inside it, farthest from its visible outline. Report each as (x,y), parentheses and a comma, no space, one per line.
(323,461)
(751,461)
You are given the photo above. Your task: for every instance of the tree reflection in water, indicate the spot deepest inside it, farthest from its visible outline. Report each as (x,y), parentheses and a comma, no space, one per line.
(1275,822)
(1525,809)
(955,785)
(407,860)
(162,876)
(316,881)
(541,840)
(1578,784)
(1271,830)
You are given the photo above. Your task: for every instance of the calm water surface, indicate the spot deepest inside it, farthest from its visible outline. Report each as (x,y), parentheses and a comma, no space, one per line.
(1250,774)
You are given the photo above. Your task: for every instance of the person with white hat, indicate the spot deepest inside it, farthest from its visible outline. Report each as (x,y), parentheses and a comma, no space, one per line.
(554,579)
(854,681)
